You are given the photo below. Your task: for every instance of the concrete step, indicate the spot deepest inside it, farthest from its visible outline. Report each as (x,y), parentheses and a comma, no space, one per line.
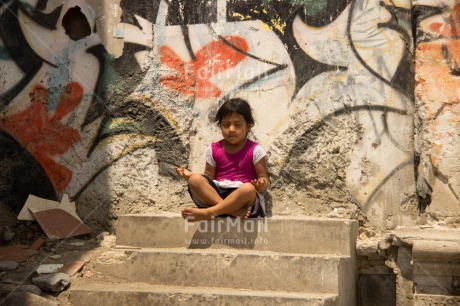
(436,277)
(239,269)
(280,234)
(409,234)
(433,299)
(435,260)
(86,292)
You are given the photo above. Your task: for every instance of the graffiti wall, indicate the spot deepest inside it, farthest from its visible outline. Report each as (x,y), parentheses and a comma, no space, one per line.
(437,99)
(101,100)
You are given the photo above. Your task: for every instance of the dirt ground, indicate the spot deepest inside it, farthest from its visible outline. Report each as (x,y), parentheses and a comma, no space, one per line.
(82,249)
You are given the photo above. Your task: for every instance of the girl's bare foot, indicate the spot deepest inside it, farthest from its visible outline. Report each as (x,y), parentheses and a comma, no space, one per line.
(242,213)
(247,213)
(195,214)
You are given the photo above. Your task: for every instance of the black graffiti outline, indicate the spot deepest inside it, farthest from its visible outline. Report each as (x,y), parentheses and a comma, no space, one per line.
(102,169)
(296,151)
(420,13)
(344,110)
(278,67)
(24,56)
(390,135)
(165,159)
(97,105)
(98,51)
(394,85)
(36,181)
(450,61)
(408,162)
(299,58)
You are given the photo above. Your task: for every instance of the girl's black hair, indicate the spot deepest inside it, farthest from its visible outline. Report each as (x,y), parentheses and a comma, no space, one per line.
(235,105)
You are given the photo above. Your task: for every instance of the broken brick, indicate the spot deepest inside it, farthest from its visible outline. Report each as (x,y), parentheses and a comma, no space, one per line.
(14,253)
(59,224)
(72,267)
(37,244)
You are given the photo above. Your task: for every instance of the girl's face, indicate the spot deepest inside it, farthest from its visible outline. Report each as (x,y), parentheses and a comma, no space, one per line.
(234,128)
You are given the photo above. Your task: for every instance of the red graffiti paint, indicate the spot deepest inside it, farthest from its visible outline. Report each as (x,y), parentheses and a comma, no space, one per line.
(43,135)
(195,76)
(437,83)
(449,28)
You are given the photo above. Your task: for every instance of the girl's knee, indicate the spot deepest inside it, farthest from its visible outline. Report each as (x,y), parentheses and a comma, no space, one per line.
(195,179)
(248,188)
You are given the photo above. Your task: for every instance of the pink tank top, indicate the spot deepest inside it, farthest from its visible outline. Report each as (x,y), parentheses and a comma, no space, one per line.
(234,167)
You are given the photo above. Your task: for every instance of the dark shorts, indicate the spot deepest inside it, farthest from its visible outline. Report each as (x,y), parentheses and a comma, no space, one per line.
(256,210)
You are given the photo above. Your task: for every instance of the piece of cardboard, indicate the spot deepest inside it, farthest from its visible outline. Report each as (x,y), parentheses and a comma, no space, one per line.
(37,204)
(68,207)
(59,224)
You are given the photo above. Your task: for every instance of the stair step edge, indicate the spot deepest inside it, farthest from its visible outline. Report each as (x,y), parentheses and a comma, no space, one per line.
(145,287)
(225,252)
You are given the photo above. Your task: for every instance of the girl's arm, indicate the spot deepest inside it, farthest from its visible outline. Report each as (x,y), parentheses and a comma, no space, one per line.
(261,183)
(210,171)
(185,174)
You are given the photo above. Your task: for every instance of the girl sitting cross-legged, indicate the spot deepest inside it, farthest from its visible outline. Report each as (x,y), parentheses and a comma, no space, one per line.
(235,174)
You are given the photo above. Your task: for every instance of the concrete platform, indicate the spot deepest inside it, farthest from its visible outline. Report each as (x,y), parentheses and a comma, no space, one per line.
(279,234)
(435,261)
(438,300)
(279,260)
(409,234)
(138,294)
(223,268)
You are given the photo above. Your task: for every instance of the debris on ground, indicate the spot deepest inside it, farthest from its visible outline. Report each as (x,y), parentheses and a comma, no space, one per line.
(37,244)
(54,282)
(8,235)
(8,265)
(26,298)
(58,220)
(59,224)
(15,253)
(40,204)
(71,268)
(49,268)
(29,258)
(88,274)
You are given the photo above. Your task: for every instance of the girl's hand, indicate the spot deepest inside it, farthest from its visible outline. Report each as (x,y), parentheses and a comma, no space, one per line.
(260,184)
(183,173)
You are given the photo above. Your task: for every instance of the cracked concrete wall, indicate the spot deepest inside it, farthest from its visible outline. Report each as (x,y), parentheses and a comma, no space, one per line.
(437,102)
(410,266)
(104,103)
